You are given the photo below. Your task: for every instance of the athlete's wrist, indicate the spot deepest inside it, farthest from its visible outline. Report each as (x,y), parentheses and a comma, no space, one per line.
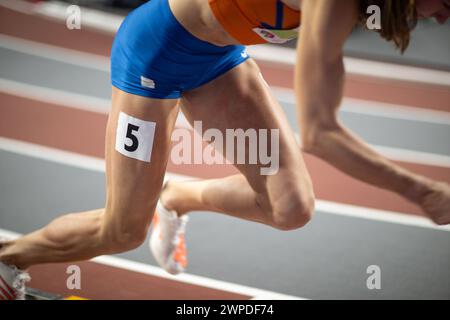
(417,188)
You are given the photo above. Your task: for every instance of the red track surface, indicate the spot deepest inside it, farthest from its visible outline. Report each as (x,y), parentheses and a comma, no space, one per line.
(368,88)
(39,121)
(65,128)
(104,282)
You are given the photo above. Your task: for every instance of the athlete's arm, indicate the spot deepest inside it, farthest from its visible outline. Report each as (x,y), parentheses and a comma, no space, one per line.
(319,82)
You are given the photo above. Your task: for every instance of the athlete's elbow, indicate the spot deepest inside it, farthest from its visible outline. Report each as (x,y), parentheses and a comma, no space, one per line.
(315,135)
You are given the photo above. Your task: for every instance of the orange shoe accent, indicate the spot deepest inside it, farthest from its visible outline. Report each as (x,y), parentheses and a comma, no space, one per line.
(180,252)
(155,223)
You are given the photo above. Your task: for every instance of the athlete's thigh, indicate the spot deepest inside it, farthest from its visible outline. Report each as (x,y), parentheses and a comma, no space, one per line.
(137,148)
(242,99)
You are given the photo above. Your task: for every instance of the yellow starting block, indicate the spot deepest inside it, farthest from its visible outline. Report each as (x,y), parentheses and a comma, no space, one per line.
(35,294)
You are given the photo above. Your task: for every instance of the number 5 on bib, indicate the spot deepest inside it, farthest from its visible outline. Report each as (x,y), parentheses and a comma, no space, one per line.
(134,137)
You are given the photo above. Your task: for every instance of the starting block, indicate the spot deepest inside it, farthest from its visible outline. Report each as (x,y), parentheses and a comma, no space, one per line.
(35,294)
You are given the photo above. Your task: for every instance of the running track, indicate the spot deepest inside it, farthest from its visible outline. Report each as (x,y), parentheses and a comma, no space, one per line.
(67,93)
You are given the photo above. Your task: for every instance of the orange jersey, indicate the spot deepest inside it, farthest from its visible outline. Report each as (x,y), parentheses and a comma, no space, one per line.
(257,21)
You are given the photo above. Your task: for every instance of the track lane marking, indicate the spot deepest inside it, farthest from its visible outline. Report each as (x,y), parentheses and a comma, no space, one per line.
(98,165)
(102,106)
(186,278)
(109,23)
(101,63)
(375,108)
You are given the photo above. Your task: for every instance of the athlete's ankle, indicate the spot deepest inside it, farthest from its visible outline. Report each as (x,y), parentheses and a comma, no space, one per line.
(4,244)
(418,189)
(169,198)
(8,258)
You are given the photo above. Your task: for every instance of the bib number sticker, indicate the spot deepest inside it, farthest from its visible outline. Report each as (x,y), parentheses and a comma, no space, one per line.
(134,137)
(277,36)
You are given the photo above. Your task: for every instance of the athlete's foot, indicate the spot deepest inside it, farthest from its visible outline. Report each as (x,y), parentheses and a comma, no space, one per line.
(12,282)
(436,203)
(170,197)
(167,242)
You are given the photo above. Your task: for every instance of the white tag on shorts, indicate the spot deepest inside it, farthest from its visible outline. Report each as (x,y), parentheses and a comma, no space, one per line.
(148,83)
(134,137)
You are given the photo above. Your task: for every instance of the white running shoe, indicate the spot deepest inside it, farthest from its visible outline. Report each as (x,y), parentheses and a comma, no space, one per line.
(167,242)
(12,282)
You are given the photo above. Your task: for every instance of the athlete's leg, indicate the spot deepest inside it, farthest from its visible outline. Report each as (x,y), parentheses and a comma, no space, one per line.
(133,187)
(242,99)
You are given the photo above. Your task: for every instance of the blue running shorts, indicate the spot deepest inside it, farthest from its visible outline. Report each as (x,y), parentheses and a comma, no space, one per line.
(154,56)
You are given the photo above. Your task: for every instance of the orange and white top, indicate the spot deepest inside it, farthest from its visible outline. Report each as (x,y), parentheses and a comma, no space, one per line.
(257,21)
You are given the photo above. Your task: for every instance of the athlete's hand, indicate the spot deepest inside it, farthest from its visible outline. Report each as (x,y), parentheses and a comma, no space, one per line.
(436,203)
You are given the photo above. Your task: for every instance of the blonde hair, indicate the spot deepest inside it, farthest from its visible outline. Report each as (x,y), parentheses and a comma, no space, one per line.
(398,18)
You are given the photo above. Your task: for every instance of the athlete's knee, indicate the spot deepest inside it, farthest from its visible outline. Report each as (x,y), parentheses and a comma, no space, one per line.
(293,211)
(124,237)
(124,240)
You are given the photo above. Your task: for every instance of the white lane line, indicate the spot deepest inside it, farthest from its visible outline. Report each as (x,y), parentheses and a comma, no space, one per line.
(279,54)
(186,278)
(349,105)
(56,97)
(9,235)
(104,21)
(97,164)
(97,62)
(65,99)
(413,156)
(376,215)
(60,54)
(193,279)
(102,106)
(390,71)
(52,155)
(18,5)
(376,109)
(109,23)
(395,111)
(405,155)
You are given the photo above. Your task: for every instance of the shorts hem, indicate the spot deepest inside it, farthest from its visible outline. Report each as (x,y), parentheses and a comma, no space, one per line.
(145,93)
(221,72)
